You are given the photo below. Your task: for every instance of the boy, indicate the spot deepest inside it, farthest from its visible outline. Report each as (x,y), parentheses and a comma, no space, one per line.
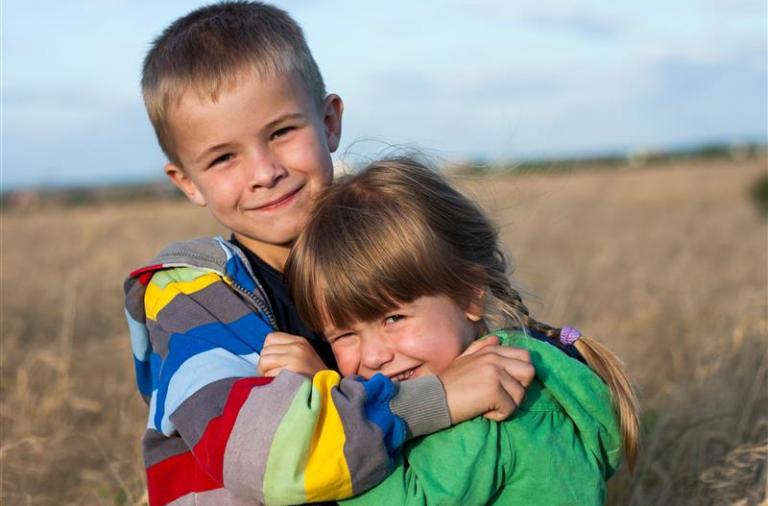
(240,110)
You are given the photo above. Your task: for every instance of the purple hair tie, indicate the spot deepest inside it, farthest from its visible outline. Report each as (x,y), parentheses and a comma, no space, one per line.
(569,335)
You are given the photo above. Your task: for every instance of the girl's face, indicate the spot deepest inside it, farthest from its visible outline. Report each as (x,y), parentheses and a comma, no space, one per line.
(418,338)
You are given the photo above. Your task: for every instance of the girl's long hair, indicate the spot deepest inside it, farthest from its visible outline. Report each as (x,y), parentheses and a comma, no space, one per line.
(397,231)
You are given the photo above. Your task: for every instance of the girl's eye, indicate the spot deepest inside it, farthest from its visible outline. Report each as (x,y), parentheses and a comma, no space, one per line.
(281,132)
(393,318)
(222,159)
(340,337)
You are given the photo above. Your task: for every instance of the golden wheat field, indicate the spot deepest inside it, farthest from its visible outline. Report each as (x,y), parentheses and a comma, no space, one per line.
(665,264)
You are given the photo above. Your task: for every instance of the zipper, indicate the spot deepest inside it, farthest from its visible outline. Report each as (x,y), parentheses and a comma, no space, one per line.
(260,302)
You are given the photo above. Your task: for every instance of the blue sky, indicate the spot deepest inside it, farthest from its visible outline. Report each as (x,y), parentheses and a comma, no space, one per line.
(488,79)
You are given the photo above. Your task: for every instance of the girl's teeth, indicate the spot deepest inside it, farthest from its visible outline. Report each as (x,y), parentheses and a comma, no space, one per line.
(404,375)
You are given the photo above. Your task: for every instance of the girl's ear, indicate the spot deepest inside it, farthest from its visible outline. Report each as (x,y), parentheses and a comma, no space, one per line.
(476,307)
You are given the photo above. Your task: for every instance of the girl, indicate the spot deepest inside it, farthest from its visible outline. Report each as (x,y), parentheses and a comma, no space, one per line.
(401,273)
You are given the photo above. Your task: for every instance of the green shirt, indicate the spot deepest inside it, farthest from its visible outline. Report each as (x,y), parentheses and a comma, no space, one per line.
(559,447)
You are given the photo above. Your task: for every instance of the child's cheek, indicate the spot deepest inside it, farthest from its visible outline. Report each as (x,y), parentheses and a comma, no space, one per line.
(348,359)
(438,348)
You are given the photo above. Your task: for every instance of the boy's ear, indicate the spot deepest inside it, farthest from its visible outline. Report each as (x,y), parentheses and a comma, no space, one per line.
(333,109)
(184,183)
(476,306)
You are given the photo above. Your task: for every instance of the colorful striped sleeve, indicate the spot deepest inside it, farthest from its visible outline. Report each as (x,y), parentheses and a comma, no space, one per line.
(290,439)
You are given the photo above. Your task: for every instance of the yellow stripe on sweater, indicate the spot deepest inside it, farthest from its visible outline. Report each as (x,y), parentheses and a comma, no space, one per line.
(157,297)
(327,475)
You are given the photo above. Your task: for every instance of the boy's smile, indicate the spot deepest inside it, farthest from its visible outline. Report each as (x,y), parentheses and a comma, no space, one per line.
(256,155)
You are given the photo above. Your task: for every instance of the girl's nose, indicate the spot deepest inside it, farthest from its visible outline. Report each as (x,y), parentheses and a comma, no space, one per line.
(375,353)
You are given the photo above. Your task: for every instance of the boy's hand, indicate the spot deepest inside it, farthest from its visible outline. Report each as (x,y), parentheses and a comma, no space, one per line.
(487,379)
(287,351)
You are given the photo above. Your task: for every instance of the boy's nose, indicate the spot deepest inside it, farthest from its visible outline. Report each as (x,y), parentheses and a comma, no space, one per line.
(265,171)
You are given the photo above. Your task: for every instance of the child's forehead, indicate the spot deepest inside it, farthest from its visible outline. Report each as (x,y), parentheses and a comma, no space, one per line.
(209,89)
(204,92)
(245,98)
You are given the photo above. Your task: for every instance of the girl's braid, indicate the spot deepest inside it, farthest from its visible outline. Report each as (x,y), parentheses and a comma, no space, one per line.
(500,286)
(516,301)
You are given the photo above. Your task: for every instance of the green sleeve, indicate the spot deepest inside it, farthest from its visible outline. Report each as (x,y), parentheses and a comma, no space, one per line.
(462,465)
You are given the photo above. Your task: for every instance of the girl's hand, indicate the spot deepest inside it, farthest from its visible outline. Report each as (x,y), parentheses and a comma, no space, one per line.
(287,351)
(487,379)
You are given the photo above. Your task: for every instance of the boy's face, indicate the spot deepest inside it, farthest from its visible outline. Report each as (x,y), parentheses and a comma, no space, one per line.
(256,157)
(415,339)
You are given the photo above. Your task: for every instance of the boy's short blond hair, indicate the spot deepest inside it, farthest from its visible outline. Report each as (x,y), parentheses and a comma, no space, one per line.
(213,46)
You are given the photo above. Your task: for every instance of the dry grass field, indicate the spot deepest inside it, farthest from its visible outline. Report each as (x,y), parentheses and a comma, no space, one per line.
(665,264)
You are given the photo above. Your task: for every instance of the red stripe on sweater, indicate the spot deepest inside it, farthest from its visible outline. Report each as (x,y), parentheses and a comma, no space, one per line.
(176,477)
(182,474)
(145,273)
(210,449)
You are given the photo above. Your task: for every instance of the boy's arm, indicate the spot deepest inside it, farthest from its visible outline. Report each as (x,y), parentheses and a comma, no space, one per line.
(280,440)
(462,465)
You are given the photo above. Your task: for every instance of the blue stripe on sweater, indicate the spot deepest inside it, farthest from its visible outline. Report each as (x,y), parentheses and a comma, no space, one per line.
(143,376)
(142,352)
(235,269)
(241,337)
(379,391)
(197,372)
(139,338)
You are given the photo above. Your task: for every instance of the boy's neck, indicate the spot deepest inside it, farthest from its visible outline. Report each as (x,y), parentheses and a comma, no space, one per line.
(273,254)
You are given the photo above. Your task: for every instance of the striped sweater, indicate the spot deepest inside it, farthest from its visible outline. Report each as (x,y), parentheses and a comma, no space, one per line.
(217,433)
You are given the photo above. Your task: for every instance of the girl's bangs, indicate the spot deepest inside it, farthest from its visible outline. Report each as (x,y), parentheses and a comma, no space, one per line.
(363,288)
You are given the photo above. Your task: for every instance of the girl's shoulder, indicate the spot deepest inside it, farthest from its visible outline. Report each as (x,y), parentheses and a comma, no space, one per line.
(553,366)
(509,337)
(520,339)
(580,392)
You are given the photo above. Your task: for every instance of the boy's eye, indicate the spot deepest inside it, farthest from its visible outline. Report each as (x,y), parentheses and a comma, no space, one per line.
(281,132)
(221,159)
(393,318)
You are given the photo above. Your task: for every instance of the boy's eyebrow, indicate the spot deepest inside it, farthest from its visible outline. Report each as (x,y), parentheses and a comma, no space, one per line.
(284,117)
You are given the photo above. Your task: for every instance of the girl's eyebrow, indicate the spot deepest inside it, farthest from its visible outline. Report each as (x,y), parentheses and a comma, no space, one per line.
(332,337)
(331,331)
